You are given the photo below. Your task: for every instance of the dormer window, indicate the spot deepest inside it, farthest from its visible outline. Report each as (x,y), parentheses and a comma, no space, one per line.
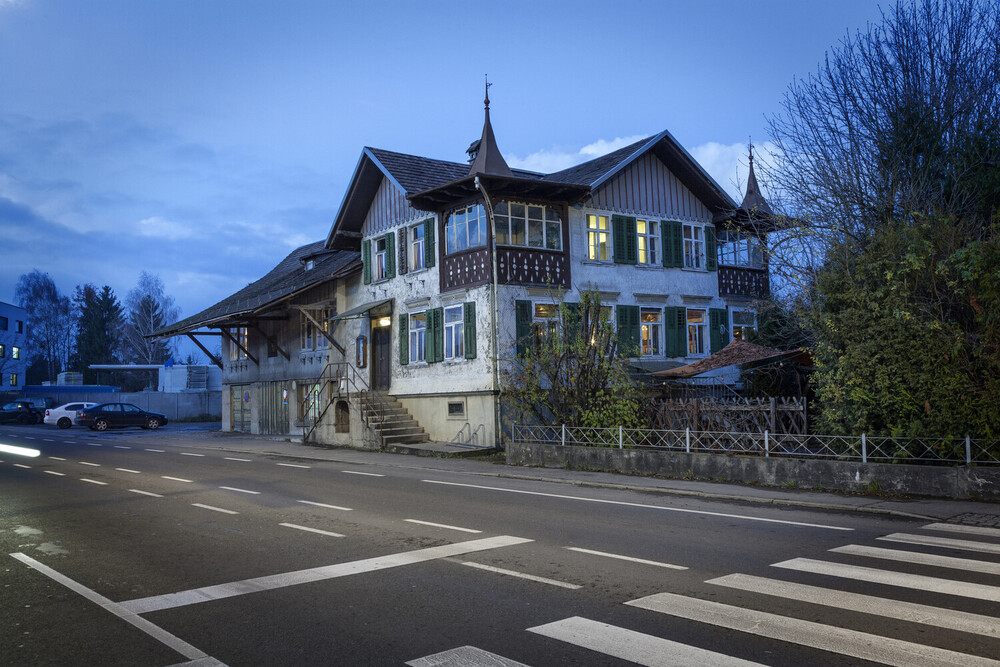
(466,228)
(528,225)
(310,264)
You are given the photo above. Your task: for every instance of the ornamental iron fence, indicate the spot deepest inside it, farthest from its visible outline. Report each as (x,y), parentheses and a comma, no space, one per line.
(863,448)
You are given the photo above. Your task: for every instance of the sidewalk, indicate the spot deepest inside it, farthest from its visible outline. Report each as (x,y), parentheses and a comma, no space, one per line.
(456,459)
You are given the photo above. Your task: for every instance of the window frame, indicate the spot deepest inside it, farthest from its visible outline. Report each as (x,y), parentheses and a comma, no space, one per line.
(599,238)
(740,249)
(453,228)
(650,332)
(15,352)
(379,252)
(649,239)
(739,330)
(417,335)
(544,326)
(454,332)
(13,379)
(698,342)
(416,255)
(243,336)
(694,246)
(504,219)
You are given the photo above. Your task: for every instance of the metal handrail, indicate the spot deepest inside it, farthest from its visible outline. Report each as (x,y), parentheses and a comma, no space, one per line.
(348,380)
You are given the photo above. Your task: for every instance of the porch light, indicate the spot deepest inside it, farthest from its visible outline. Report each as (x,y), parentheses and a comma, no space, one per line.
(384,321)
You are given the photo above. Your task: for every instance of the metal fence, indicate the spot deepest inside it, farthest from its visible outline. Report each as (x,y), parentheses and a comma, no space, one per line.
(863,448)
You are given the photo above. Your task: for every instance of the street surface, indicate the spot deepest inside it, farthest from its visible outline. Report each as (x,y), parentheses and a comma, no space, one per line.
(135,548)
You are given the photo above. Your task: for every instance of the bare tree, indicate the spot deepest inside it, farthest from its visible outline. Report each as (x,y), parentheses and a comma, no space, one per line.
(50,330)
(148,308)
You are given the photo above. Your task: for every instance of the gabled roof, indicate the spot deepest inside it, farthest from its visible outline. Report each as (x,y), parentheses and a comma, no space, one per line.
(283,281)
(737,352)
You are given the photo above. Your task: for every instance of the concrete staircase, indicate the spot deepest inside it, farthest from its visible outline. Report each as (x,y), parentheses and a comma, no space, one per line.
(394,424)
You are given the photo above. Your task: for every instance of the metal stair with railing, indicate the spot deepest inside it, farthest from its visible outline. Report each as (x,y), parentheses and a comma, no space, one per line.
(393,422)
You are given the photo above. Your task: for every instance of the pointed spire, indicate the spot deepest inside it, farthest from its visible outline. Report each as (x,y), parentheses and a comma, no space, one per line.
(754,200)
(488,158)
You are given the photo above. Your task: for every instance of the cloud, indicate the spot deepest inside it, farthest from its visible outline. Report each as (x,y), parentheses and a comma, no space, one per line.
(161,228)
(557,159)
(729,166)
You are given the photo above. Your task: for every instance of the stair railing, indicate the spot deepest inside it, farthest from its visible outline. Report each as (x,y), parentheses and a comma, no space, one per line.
(339,379)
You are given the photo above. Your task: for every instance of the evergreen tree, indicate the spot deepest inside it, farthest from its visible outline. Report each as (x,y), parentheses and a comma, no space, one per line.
(98,330)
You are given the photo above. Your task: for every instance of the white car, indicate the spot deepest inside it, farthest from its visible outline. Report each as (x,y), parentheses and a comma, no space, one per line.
(64,414)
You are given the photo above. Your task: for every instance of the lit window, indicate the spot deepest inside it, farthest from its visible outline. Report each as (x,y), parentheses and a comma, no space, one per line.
(744,322)
(648,237)
(545,322)
(418,336)
(241,336)
(528,225)
(694,246)
(417,247)
(381,270)
(13,379)
(651,331)
(697,324)
(598,238)
(15,352)
(3,351)
(466,228)
(453,333)
(309,396)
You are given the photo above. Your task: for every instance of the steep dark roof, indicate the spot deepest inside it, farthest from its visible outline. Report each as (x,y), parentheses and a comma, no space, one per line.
(414,173)
(284,280)
(590,171)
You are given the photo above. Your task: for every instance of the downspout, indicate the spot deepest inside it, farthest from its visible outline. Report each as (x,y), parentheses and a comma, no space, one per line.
(494,317)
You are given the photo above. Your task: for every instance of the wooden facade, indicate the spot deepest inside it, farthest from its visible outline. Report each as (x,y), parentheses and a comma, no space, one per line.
(744,282)
(647,186)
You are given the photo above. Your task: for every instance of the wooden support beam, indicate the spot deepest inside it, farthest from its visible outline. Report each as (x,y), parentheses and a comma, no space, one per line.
(237,344)
(272,341)
(215,360)
(321,329)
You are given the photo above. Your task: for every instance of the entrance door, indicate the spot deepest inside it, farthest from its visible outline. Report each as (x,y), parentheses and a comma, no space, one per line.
(239,402)
(381,357)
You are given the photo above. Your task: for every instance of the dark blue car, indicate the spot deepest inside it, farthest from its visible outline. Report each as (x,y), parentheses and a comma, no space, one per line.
(118,415)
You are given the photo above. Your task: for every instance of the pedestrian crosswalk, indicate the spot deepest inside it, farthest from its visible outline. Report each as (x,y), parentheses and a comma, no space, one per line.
(888,567)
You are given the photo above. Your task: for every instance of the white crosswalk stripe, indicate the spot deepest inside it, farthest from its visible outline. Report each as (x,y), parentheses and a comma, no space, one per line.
(933,541)
(966,564)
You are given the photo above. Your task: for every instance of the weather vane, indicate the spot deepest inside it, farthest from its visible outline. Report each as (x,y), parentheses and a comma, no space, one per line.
(488,84)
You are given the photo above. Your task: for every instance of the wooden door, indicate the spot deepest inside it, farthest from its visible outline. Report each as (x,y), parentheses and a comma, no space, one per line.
(381,357)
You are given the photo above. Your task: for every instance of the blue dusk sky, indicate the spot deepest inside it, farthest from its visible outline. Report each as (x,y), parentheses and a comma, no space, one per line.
(202,140)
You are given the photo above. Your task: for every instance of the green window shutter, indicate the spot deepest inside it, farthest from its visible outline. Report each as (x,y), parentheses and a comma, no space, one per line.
(404,339)
(631,241)
(429,253)
(571,321)
(366,261)
(436,316)
(523,312)
(627,319)
(401,263)
(719,334)
(674,322)
(390,255)
(711,254)
(469,329)
(672,233)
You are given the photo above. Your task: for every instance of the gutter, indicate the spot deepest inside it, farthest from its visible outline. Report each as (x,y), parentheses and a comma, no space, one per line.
(494,317)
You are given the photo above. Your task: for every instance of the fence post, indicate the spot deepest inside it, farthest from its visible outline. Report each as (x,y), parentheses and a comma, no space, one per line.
(687,440)
(620,429)
(968,450)
(767,448)
(564,435)
(864,448)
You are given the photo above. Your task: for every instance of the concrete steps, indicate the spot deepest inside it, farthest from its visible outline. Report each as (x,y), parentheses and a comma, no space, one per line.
(394,424)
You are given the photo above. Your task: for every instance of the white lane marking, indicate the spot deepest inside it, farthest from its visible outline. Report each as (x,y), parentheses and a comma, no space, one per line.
(213,508)
(146,493)
(271,582)
(331,507)
(158,451)
(69,442)
(293,465)
(958,528)
(233,458)
(861,645)
(900,579)
(442,525)
(122,447)
(28,437)
(57,458)
(93,481)
(21,465)
(95,465)
(627,504)
(633,646)
(931,541)
(134,472)
(158,633)
(466,656)
(521,575)
(628,558)
(921,558)
(53,472)
(358,472)
(47,440)
(176,479)
(233,488)
(91,444)
(865,604)
(190,454)
(311,530)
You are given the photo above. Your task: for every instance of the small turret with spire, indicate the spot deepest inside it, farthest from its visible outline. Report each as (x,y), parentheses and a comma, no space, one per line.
(488,159)
(753,201)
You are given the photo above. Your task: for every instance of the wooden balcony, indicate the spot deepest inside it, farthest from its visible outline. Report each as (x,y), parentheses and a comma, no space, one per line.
(745,282)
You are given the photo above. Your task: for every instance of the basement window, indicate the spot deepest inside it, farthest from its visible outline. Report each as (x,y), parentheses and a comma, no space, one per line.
(456,409)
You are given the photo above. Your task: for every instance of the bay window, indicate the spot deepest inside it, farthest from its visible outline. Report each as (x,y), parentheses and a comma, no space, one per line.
(466,228)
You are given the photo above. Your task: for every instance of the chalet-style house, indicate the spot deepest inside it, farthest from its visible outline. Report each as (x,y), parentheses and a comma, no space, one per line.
(393,329)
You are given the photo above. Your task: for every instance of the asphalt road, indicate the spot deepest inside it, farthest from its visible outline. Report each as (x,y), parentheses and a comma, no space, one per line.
(121,549)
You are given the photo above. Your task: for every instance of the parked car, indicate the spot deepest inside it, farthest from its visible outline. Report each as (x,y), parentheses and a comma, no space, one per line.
(20,412)
(103,416)
(63,415)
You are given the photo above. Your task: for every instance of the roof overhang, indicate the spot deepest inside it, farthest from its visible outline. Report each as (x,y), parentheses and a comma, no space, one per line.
(498,187)
(345,234)
(362,310)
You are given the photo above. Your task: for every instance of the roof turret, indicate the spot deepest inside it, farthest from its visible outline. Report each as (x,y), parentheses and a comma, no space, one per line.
(488,159)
